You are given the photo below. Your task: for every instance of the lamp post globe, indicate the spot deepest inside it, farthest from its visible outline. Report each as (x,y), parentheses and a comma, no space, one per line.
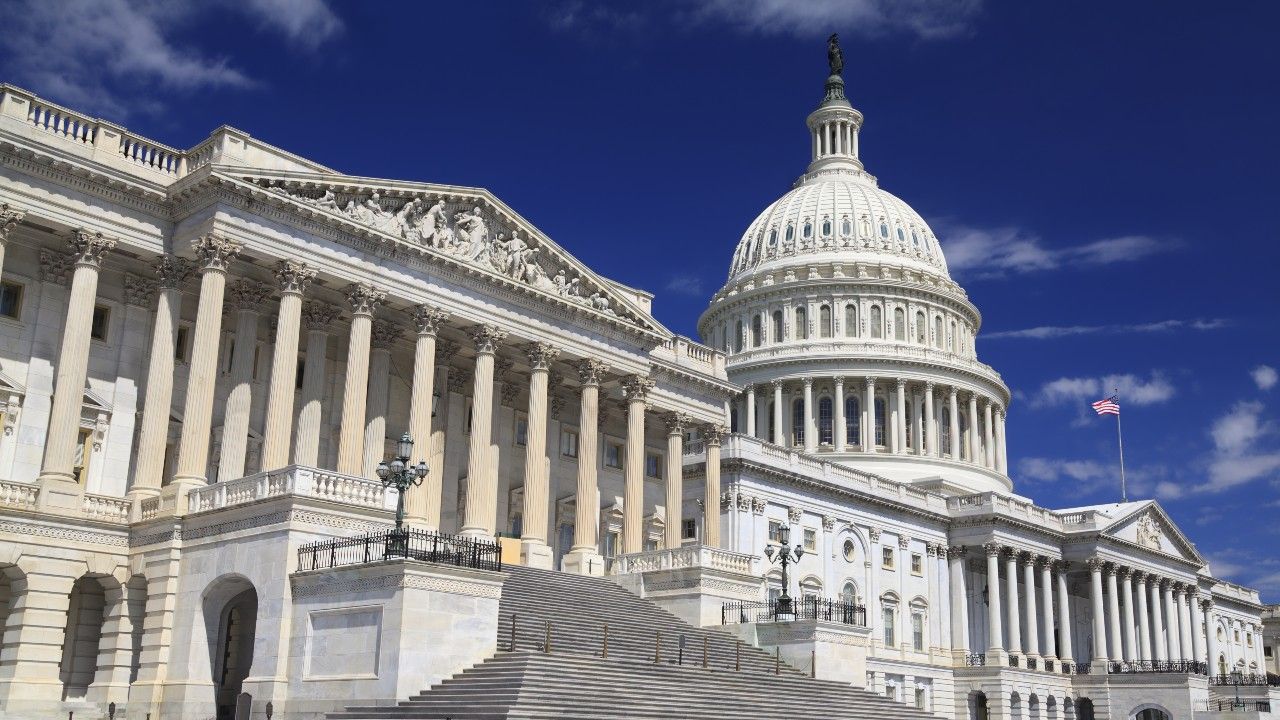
(399,474)
(784,554)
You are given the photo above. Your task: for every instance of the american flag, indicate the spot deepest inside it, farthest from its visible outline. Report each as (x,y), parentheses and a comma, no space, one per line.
(1109,406)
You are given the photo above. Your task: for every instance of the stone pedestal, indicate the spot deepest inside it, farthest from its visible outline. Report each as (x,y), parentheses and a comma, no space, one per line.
(828,650)
(584,562)
(536,554)
(693,582)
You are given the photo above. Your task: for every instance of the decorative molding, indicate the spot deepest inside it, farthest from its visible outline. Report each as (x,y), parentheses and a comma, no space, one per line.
(384,334)
(214,252)
(590,371)
(541,355)
(637,387)
(54,267)
(293,276)
(794,514)
(63,531)
(320,315)
(89,248)
(10,216)
(446,349)
(246,294)
(139,291)
(171,270)
(428,319)
(364,298)
(487,338)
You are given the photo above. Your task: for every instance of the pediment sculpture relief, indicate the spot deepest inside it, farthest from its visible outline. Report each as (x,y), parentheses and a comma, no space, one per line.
(1149,533)
(467,232)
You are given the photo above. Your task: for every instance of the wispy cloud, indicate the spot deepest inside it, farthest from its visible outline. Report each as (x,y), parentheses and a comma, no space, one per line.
(1133,390)
(1243,448)
(108,57)
(1092,477)
(685,284)
(1050,332)
(983,253)
(580,15)
(1264,376)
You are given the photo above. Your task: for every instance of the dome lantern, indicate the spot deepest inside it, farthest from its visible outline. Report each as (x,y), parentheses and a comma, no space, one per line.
(834,126)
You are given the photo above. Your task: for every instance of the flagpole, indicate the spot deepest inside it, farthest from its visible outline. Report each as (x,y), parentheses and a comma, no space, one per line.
(1124,494)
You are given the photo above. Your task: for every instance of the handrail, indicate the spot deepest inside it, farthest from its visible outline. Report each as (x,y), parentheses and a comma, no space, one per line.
(410,544)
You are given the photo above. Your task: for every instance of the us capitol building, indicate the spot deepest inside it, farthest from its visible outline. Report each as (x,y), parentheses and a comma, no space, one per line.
(206,355)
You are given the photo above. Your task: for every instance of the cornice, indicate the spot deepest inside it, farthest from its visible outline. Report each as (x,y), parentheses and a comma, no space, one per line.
(116,187)
(861,286)
(892,367)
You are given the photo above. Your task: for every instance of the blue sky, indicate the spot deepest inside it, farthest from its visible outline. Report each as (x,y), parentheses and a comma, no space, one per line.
(1101,175)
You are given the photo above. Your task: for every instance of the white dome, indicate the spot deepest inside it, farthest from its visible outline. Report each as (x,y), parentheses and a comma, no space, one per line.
(837,216)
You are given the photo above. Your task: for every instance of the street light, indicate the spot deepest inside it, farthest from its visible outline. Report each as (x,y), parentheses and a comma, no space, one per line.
(399,474)
(784,554)
(1237,679)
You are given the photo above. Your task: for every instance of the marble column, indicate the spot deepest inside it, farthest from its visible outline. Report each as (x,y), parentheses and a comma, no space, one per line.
(1029,595)
(930,423)
(1116,652)
(869,417)
(213,254)
(995,635)
(1184,624)
(157,406)
(1046,607)
(1099,611)
(988,455)
(1130,644)
(956,440)
(1159,644)
(1002,457)
(1011,602)
(584,558)
(294,278)
(974,443)
(422,504)
(751,411)
(480,514)
(778,432)
(711,436)
(1211,637)
(1064,612)
(676,423)
(1171,622)
(246,296)
(364,299)
(10,216)
(636,388)
(838,432)
(382,336)
(810,431)
(451,381)
(319,318)
(59,487)
(959,601)
(1144,617)
(900,418)
(1197,622)
(534,550)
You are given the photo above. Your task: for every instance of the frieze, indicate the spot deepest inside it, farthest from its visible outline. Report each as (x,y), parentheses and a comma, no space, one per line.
(322,585)
(62,532)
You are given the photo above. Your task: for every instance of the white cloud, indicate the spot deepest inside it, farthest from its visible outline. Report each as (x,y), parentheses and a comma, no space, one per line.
(1265,377)
(114,57)
(1050,332)
(685,284)
(926,19)
(1237,458)
(996,252)
(1081,390)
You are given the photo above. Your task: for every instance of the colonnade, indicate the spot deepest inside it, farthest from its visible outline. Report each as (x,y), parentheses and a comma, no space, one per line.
(891,416)
(364,400)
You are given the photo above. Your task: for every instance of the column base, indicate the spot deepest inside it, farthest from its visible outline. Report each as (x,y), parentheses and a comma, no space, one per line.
(583,561)
(998,657)
(536,554)
(59,494)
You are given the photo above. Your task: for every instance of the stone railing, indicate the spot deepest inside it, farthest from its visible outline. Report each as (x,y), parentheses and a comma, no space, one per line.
(292,480)
(996,504)
(105,507)
(888,349)
(685,352)
(148,508)
(689,556)
(18,495)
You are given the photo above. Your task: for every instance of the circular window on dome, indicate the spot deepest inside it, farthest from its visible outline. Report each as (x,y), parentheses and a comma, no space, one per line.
(850,551)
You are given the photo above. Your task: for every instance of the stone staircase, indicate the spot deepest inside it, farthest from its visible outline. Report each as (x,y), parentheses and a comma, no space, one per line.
(576,680)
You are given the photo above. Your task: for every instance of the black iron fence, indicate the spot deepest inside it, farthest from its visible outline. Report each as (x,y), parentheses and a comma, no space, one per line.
(1185,667)
(1246,679)
(806,608)
(975,659)
(1232,705)
(469,552)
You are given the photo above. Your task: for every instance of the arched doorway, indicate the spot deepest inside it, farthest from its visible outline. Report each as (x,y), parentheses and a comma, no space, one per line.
(1084,709)
(231,615)
(1150,712)
(82,637)
(978,706)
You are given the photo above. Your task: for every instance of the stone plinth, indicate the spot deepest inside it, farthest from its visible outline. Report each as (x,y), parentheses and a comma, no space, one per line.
(831,650)
(692,582)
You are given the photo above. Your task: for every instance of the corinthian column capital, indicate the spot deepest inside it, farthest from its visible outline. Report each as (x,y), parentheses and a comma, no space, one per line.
(294,276)
(428,319)
(590,371)
(487,337)
(247,294)
(384,333)
(637,387)
(364,298)
(171,270)
(541,355)
(319,315)
(676,422)
(10,216)
(713,433)
(138,291)
(214,252)
(88,248)
(445,350)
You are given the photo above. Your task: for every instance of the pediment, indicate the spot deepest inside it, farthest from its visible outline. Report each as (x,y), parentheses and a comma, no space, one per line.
(10,386)
(467,226)
(1148,526)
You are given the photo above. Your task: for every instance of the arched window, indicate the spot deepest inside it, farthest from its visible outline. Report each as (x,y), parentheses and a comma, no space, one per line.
(921,327)
(772,425)
(808,229)
(777,326)
(899,324)
(879,409)
(906,420)
(737,338)
(802,323)
(756,331)
(937,331)
(964,430)
(773,237)
(877,323)
(797,422)
(850,320)
(824,321)
(791,232)
(849,593)
(884,230)
(946,430)
(901,237)
(733,419)
(846,227)
(852,420)
(824,421)
(826,227)
(955,340)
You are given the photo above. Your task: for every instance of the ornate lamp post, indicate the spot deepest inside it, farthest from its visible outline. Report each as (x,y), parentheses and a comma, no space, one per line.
(784,554)
(401,475)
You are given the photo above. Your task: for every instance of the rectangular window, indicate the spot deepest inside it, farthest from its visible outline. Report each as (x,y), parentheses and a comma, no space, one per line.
(522,429)
(653,465)
(920,698)
(810,540)
(888,627)
(774,529)
(917,564)
(917,632)
(84,451)
(886,558)
(11,300)
(613,455)
(182,344)
(569,443)
(690,529)
(891,692)
(101,323)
